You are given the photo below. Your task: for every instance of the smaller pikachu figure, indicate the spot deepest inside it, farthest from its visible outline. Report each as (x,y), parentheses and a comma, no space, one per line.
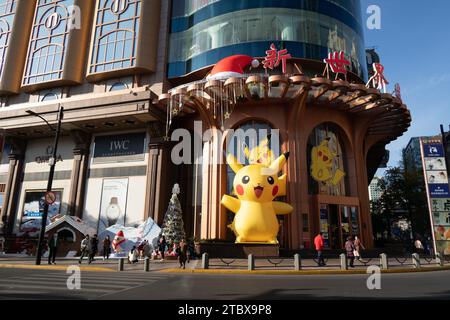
(260,154)
(322,164)
(256,186)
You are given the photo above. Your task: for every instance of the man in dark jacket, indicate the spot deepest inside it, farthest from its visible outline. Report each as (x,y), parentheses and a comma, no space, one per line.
(94,248)
(53,245)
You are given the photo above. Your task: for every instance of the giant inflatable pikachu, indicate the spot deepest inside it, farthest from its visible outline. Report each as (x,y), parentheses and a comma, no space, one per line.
(256,186)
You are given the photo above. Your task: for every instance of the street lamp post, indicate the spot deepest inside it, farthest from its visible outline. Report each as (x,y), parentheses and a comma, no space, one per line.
(52,163)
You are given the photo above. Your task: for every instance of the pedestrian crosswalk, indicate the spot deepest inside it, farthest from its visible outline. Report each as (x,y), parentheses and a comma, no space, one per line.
(36,285)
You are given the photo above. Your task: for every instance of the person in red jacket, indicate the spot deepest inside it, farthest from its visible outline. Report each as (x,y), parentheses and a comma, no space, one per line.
(318,243)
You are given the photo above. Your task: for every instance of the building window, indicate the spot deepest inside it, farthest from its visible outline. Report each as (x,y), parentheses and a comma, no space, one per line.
(326,161)
(50,33)
(118,86)
(305,219)
(115,38)
(49,97)
(7,13)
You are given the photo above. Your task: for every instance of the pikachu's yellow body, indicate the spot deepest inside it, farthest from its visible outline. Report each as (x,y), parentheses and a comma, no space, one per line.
(256,186)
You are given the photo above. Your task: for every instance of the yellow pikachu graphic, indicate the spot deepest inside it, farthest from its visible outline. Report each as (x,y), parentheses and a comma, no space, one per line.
(322,164)
(256,186)
(260,154)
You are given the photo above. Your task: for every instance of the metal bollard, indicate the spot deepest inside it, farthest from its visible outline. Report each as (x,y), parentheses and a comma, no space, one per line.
(439,259)
(251,262)
(121,264)
(416,260)
(297,262)
(147,264)
(205,261)
(343,258)
(384,261)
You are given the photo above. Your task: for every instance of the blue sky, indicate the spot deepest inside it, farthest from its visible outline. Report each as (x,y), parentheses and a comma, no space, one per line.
(414,47)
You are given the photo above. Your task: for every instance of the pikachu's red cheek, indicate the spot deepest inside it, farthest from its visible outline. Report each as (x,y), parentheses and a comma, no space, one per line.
(275,191)
(240,190)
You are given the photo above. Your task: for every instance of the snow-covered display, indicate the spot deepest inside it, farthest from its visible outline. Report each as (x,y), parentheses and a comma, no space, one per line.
(148,230)
(173,226)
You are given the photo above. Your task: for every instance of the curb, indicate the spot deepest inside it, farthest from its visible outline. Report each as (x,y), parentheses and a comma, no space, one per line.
(62,267)
(306,272)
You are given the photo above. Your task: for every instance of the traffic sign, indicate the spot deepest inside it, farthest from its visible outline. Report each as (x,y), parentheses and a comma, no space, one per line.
(50,198)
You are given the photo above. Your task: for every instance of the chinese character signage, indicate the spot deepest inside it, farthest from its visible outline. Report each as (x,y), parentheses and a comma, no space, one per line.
(275,57)
(437,185)
(337,63)
(378,80)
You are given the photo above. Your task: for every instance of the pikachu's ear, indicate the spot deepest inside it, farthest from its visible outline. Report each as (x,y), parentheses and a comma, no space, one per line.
(233,163)
(278,164)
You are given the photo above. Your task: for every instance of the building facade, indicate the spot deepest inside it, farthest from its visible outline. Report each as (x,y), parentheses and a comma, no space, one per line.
(375,191)
(115,67)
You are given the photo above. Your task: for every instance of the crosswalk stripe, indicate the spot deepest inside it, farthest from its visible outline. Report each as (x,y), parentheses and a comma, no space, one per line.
(93,279)
(47,288)
(63,283)
(50,278)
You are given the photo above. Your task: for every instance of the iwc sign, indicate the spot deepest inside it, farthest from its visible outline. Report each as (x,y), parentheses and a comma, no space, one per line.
(120,148)
(46,158)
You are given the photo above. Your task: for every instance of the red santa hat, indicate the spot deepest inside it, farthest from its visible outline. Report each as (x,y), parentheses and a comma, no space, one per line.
(232,66)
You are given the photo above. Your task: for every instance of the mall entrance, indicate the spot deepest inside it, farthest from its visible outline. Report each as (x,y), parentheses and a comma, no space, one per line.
(338,222)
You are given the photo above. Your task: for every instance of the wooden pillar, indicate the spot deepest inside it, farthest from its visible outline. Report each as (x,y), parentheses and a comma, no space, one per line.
(79,172)
(14,180)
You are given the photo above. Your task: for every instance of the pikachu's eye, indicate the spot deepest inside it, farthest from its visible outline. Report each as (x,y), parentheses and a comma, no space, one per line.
(270,180)
(245,179)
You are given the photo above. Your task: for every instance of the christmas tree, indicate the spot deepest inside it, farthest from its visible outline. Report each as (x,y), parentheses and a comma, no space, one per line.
(173,226)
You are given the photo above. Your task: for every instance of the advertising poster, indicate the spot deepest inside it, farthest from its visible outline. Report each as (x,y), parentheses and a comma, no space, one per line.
(33,209)
(113,203)
(437,185)
(324,226)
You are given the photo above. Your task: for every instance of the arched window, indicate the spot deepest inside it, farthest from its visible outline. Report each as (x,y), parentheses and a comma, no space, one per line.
(49,97)
(45,60)
(118,23)
(118,86)
(326,161)
(7,13)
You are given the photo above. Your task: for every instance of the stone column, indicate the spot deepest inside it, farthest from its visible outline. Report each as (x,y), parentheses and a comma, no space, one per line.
(14,180)
(159,173)
(79,172)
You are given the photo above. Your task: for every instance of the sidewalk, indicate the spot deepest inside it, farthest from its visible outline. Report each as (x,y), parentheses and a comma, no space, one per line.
(226,266)
(27,262)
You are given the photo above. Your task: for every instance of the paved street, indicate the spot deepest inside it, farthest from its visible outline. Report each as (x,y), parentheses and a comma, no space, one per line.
(51,284)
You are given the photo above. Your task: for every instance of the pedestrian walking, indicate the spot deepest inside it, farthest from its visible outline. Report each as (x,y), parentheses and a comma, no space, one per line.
(350,250)
(2,244)
(358,248)
(93,248)
(53,245)
(182,254)
(84,248)
(318,243)
(162,246)
(106,248)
